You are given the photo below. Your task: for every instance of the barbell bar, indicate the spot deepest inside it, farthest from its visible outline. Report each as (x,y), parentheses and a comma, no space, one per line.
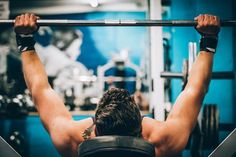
(66,22)
(215,75)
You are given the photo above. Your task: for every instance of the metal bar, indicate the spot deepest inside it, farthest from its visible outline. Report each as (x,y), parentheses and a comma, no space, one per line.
(215,75)
(172,75)
(223,75)
(105,79)
(65,22)
(226,126)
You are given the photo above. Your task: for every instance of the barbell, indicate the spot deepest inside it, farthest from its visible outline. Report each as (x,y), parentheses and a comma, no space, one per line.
(67,22)
(215,75)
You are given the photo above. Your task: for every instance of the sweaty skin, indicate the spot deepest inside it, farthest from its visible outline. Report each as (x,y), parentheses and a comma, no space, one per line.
(169,137)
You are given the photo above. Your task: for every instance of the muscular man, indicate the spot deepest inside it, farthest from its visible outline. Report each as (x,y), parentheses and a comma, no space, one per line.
(117,113)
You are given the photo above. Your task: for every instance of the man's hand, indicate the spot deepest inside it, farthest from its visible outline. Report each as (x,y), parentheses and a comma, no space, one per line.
(26,24)
(208,25)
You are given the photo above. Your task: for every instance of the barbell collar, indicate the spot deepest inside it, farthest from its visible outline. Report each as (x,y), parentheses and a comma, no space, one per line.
(223,75)
(66,22)
(215,75)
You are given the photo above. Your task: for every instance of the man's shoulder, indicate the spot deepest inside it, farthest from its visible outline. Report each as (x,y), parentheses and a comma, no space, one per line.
(148,123)
(70,135)
(153,130)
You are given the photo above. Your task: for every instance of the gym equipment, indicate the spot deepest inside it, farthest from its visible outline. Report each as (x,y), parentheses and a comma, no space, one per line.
(210,126)
(187,64)
(14,106)
(119,62)
(167,65)
(2,104)
(215,75)
(17,141)
(6,150)
(69,97)
(227,147)
(66,22)
(116,146)
(206,135)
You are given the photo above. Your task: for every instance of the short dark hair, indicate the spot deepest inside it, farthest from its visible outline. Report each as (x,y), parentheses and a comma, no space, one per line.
(117,114)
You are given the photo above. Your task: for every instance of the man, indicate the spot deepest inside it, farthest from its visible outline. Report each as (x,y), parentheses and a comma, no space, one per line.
(117,113)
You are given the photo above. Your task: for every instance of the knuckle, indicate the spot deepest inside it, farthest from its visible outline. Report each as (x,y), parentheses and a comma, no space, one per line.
(20,23)
(200,20)
(210,16)
(200,23)
(32,15)
(211,23)
(205,23)
(26,23)
(32,24)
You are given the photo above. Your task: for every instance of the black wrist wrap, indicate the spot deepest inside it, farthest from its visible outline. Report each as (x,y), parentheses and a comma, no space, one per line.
(25,42)
(208,43)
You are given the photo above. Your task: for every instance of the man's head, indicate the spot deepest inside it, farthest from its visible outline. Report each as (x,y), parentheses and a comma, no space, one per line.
(117,114)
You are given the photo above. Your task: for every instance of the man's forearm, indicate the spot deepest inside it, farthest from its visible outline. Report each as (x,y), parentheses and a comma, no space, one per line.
(34,73)
(189,102)
(200,73)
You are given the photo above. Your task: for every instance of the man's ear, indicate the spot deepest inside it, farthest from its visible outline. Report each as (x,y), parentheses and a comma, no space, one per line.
(132,98)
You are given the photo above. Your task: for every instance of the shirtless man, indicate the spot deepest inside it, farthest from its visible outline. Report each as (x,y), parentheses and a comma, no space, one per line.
(116,109)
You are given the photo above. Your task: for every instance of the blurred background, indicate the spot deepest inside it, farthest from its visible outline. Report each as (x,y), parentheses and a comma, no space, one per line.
(83,62)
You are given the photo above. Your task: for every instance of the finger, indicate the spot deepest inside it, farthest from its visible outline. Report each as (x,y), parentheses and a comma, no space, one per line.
(200,21)
(33,18)
(215,22)
(17,21)
(33,22)
(26,19)
(197,20)
(206,20)
(212,20)
(21,19)
(199,17)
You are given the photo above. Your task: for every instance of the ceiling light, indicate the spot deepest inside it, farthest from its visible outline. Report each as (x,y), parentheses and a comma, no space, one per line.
(94,3)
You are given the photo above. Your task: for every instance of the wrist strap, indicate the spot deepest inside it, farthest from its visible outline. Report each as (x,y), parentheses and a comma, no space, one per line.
(25,42)
(208,43)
